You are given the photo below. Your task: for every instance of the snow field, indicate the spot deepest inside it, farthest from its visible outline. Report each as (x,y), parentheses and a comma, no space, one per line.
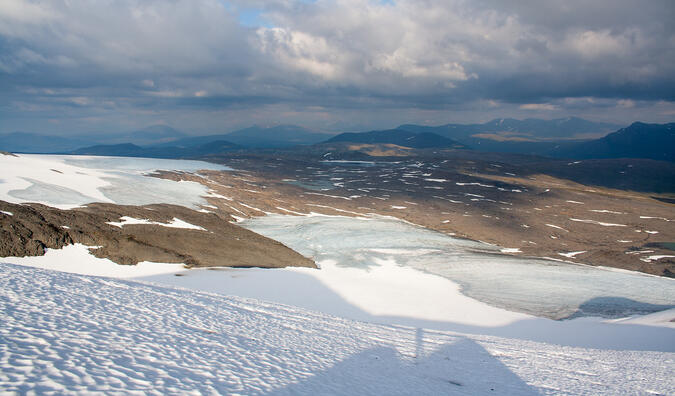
(385,293)
(74,334)
(76,259)
(66,182)
(69,183)
(387,290)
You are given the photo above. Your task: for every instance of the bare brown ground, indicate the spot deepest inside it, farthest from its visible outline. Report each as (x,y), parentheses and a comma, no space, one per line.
(539,215)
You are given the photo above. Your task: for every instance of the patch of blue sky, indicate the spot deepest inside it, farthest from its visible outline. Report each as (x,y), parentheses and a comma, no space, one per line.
(253,17)
(247,16)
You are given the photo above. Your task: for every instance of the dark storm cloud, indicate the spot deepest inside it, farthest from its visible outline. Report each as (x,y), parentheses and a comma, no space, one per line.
(205,63)
(617,49)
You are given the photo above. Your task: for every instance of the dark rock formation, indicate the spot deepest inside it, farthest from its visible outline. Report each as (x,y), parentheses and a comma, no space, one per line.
(32,228)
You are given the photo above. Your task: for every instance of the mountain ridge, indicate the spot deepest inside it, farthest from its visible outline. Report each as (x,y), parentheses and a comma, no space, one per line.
(275,136)
(557,138)
(132,150)
(399,137)
(639,140)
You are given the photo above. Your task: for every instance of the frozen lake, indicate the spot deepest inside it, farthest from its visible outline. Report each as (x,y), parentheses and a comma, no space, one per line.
(535,286)
(69,181)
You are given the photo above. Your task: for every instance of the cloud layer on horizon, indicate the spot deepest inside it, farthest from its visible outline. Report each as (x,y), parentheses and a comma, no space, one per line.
(76,65)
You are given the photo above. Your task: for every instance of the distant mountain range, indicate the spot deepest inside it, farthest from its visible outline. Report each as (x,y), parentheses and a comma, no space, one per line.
(639,140)
(552,138)
(25,142)
(174,144)
(399,137)
(530,129)
(573,138)
(160,141)
(152,135)
(529,136)
(259,137)
(169,151)
(275,137)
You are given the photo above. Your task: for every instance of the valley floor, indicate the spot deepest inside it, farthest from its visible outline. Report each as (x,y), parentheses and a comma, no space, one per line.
(491,200)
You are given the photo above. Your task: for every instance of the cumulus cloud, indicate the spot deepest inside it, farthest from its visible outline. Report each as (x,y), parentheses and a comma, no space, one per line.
(199,63)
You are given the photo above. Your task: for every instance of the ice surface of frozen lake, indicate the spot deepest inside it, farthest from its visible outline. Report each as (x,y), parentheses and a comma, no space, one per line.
(535,286)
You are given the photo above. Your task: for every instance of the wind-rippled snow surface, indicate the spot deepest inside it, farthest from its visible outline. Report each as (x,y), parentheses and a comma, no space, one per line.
(535,286)
(73,334)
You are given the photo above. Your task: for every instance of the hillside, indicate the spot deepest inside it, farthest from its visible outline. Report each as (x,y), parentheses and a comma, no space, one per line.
(639,140)
(530,129)
(127,235)
(565,128)
(529,136)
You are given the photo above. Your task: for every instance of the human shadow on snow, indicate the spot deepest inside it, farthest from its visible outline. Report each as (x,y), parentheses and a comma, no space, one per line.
(460,367)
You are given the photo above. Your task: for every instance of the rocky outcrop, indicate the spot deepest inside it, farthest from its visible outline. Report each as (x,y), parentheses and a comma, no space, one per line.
(32,228)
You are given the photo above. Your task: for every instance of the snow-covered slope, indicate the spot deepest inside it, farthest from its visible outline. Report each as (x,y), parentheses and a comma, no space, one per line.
(66,333)
(385,293)
(68,181)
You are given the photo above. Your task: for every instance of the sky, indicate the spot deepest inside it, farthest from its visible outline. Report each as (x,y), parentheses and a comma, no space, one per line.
(211,66)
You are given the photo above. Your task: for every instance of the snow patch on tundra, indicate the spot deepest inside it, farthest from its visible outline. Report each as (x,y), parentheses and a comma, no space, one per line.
(175,223)
(597,222)
(572,254)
